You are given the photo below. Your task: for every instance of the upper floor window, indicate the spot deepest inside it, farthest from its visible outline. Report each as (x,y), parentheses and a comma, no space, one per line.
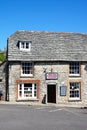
(25,45)
(27,69)
(74,68)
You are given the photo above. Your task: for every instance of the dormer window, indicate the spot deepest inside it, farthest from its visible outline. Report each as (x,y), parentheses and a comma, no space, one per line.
(25,45)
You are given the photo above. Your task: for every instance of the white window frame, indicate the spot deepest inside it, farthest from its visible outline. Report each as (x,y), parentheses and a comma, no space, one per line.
(75,89)
(25,97)
(74,69)
(32,69)
(25,48)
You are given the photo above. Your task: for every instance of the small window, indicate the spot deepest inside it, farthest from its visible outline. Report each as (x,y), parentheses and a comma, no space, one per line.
(25,45)
(74,68)
(75,90)
(27,69)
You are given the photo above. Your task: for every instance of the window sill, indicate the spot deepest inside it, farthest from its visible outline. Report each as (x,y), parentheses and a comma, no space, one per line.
(27,76)
(25,100)
(74,100)
(25,50)
(74,75)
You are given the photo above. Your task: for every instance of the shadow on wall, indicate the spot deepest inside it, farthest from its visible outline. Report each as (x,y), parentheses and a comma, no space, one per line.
(85,68)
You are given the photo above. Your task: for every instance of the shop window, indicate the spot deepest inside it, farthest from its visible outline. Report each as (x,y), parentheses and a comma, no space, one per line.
(27,69)
(75,90)
(74,68)
(27,91)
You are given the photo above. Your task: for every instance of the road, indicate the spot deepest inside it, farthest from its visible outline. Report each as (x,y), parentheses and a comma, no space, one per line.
(25,117)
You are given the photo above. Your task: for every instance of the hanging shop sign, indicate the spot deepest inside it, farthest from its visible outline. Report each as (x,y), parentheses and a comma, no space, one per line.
(51,76)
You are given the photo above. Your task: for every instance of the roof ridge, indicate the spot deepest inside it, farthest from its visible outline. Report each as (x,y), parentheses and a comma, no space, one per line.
(50,32)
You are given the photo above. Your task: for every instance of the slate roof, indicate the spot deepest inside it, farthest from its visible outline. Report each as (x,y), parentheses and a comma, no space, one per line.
(48,46)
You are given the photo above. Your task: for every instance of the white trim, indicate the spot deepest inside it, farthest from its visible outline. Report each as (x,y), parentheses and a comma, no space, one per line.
(26,75)
(74,99)
(51,83)
(76,75)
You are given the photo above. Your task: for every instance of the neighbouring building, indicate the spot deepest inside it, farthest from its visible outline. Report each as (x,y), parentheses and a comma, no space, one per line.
(47,67)
(2,80)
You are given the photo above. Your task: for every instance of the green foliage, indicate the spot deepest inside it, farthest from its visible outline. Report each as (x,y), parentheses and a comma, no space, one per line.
(2,57)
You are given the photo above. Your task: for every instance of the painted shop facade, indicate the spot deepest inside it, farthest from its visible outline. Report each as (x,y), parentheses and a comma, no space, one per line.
(47,67)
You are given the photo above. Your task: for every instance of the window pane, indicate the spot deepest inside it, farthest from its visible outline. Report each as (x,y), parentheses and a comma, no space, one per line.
(27,45)
(20,93)
(20,88)
(22,44)
(27,90)
(35,90)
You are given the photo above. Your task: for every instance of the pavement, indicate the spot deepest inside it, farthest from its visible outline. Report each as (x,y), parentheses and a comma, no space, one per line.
(47,104)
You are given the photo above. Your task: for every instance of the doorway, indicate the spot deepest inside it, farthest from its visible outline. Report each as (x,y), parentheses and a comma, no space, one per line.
(51,93)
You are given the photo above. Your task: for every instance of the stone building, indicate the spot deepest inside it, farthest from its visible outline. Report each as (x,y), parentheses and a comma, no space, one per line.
(47,67)
(3,80)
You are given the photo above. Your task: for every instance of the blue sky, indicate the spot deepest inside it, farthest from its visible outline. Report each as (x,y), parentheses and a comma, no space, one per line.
(42,15)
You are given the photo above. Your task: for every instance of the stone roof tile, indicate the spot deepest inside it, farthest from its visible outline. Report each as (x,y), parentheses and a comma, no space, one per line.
(48,46)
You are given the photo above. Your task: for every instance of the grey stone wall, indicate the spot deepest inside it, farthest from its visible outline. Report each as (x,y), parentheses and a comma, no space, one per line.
(84,82)
(14,74)
(61,69)
(40,69)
